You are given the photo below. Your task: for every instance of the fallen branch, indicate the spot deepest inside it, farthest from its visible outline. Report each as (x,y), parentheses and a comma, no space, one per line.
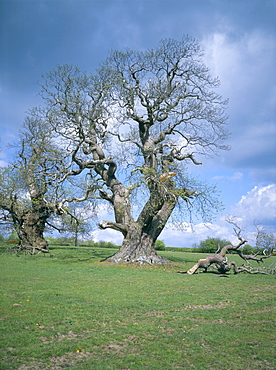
(220,261)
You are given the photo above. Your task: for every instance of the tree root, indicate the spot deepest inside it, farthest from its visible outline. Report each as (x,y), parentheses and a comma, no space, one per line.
(29,249)
(151,260)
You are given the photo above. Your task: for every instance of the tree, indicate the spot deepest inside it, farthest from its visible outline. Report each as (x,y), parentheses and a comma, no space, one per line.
(210,245)
(135,126)
(247,249)
(77,221)
(24,186)
(32,189)
(159,245)
(265,244)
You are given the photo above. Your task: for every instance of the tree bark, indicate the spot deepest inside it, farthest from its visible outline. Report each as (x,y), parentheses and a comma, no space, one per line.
(138,246)
(30,227)
(141,235)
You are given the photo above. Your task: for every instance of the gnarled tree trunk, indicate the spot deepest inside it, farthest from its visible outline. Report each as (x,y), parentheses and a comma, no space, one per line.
(137,246)
(30,225)
(30,232)
(141,235)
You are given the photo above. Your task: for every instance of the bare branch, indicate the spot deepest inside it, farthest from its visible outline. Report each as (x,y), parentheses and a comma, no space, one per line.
(115,226)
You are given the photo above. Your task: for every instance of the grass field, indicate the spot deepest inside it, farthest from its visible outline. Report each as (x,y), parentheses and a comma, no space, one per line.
(72,311)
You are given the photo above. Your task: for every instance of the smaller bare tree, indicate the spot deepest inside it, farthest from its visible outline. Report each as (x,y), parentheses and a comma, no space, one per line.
(77,220)
(37,186)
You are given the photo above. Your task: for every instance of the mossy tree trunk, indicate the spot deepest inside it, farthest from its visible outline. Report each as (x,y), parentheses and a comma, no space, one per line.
(30,225)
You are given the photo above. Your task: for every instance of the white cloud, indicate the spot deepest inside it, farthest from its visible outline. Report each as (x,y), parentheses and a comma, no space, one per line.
(3,163)
(236,176)
(4,150)
(190,235)
(108,235)
(263,173)
(104,211)
(240,62)
(259,205)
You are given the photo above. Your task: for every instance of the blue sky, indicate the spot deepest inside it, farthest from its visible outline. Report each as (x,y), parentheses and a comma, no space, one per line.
(240,47)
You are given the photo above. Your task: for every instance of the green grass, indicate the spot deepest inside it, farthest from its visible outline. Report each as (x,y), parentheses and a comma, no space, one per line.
(72,311)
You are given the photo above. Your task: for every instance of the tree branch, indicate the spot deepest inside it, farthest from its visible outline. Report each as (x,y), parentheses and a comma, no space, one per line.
(115,226)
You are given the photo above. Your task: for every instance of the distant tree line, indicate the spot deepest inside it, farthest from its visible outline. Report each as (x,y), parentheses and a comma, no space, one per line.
(209,245)
(13,239)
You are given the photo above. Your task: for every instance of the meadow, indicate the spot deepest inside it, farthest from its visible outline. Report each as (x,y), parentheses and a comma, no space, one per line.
(69,310)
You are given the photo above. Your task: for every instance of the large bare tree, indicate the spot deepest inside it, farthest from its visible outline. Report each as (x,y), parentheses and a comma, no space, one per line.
(134,127)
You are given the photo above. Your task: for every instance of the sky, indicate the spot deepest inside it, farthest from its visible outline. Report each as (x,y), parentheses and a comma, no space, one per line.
(239,39)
